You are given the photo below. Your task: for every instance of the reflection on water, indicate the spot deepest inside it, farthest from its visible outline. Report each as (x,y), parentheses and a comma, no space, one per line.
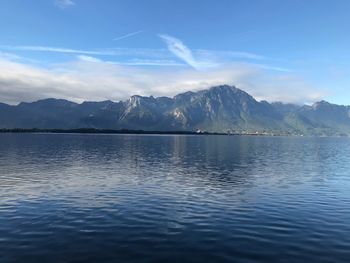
(115,198)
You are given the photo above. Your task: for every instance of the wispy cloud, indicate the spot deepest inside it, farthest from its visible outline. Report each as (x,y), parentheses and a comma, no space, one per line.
(9,56)
(89,59)
(64,3)
(226,54)
(180,50)
(143,52)
(132,62)
(203,59)
(127,35)
(268,67)
(146,62)
(56,50)
(198,59)
(121,56)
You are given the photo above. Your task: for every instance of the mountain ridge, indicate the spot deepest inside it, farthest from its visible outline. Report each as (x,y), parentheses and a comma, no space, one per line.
(221,108)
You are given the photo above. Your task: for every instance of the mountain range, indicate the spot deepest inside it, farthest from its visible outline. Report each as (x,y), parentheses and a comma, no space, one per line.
(217,109)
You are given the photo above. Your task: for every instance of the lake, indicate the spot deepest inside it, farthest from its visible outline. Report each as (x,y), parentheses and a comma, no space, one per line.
(149,198)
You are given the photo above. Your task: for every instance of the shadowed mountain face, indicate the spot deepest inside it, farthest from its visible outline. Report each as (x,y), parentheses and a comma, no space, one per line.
(222,108)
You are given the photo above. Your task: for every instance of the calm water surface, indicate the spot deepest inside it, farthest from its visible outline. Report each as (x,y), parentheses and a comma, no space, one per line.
(121,198)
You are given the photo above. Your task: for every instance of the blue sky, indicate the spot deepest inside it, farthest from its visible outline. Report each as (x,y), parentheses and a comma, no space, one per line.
(292,50)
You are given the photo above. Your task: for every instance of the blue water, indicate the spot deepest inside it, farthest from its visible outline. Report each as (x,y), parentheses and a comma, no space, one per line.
(131,198)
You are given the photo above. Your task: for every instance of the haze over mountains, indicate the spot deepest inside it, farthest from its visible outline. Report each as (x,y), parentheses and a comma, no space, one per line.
(218,109)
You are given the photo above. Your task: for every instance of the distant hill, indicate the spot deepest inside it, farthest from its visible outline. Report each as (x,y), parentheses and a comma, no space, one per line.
(218,109)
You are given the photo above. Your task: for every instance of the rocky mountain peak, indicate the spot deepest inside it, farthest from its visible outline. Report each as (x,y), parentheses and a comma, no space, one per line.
(221,108)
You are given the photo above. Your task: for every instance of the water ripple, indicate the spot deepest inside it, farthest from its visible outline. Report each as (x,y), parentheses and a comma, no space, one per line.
(106,198)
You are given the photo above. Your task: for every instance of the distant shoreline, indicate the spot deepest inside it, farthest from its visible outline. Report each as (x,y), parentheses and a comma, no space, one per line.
(127,131)
(106,131)
(143,132)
